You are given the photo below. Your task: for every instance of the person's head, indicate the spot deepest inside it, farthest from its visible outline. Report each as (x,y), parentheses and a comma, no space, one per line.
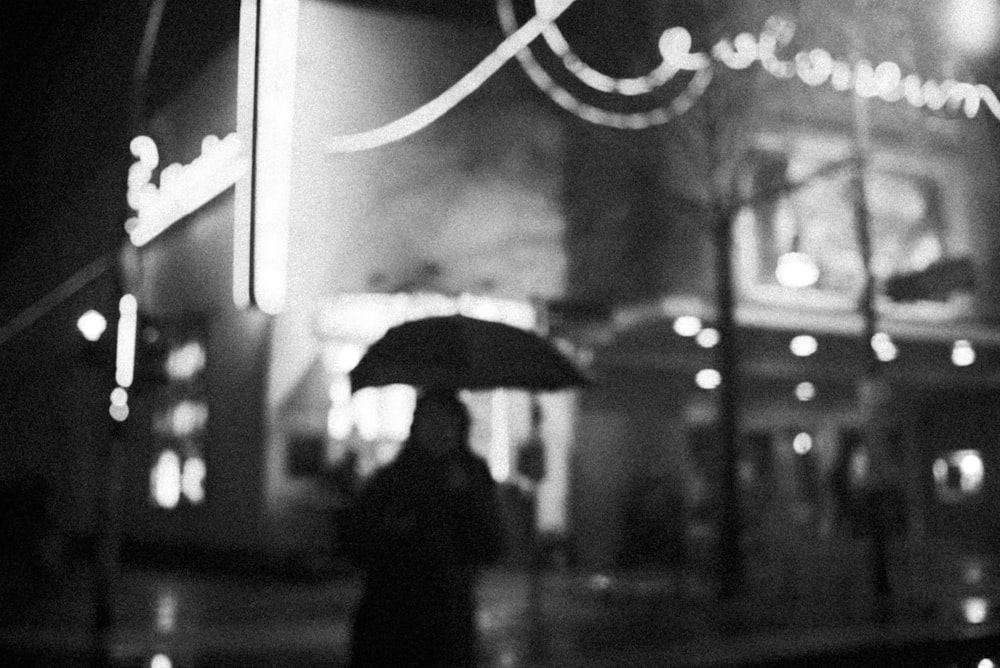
(440,423)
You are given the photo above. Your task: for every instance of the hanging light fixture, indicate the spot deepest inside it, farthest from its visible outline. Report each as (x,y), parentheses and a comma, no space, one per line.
(796,269)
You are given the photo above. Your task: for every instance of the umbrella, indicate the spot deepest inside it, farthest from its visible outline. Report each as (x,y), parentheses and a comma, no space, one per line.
(460,352)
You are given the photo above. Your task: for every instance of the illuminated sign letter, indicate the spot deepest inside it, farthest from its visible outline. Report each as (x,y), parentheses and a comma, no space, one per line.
(183,189)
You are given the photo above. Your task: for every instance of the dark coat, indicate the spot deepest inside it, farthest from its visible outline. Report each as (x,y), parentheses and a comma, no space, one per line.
(419,533)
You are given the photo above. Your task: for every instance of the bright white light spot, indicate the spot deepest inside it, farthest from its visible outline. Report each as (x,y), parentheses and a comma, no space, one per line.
(186,361)
(188,417)
(805,391)
(975,609)
(962,353)
(802,443)
(708,379)
(344,358)
(958,474)
(500,439)
(986,663)
(885,349)
(118,413)
(707,338)
(803,345)
(687,325)
(165,480)
(128,310)
(398,402)
(160,661)
(278,37)
(366,415)
(119,397)
(92,325)
(796,270)
(970,466)
(193,479)
(600,582)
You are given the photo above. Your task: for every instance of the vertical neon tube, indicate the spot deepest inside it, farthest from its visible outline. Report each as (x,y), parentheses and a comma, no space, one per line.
(265,101)
(246,94)
(125,351)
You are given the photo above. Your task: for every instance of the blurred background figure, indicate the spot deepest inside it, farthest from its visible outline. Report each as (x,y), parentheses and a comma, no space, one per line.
(420,529)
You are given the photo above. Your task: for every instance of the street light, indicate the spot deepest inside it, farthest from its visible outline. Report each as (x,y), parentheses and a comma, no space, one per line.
(92,325)
(796,269)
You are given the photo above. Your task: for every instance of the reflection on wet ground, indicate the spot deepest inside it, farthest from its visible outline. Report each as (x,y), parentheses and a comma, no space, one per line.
(798,611)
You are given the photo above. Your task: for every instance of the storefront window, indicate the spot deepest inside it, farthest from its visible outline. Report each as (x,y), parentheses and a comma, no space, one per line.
(180,415)
(958,475)
(814,223)
(370,425)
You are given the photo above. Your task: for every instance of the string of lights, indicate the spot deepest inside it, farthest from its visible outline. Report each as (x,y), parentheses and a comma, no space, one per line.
(675,46)
(815,67)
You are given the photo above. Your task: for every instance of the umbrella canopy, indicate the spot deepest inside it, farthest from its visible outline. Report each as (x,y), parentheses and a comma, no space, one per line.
(464,353)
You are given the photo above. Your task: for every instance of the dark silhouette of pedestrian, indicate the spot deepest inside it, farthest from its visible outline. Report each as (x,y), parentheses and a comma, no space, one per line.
(420,530)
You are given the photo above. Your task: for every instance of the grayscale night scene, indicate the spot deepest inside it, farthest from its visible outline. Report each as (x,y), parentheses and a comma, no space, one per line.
(500,333)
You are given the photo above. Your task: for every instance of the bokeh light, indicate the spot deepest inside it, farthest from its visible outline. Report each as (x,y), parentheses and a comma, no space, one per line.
(802,443)
(805,391)
(803,345)
(708,379)
(707,338)
(687,325)
(92,325)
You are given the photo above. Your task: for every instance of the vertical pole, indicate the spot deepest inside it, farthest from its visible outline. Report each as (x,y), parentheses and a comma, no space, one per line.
(862,221)
(730,564)
(537,632)
(870,382)
(106,547)
(107,512)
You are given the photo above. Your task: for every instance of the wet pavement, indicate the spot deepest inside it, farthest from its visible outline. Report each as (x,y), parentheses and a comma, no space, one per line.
(795,613)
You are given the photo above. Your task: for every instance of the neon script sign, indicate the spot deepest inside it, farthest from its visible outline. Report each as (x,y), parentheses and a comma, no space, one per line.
(183,189)
(815,67)
(818,67)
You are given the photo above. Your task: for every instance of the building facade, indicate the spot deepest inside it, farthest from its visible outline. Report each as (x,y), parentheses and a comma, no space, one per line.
(246,448)
(780,152)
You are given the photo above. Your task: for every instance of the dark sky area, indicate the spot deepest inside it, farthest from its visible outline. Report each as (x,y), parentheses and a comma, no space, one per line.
(66,94)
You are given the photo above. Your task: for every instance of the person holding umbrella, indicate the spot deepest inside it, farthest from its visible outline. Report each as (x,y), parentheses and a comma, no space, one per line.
(429,520)
(420,530)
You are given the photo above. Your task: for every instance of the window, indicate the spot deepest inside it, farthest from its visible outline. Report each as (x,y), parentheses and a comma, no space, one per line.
(958,475)
(372,423)
(180,415)
(909,226)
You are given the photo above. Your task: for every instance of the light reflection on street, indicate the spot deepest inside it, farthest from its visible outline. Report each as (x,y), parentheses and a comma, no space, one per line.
(166,613)
(975,609)
(160,661)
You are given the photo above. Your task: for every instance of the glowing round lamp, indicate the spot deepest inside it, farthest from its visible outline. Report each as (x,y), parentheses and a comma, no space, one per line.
(92,325)
(962,353)
(796,270)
